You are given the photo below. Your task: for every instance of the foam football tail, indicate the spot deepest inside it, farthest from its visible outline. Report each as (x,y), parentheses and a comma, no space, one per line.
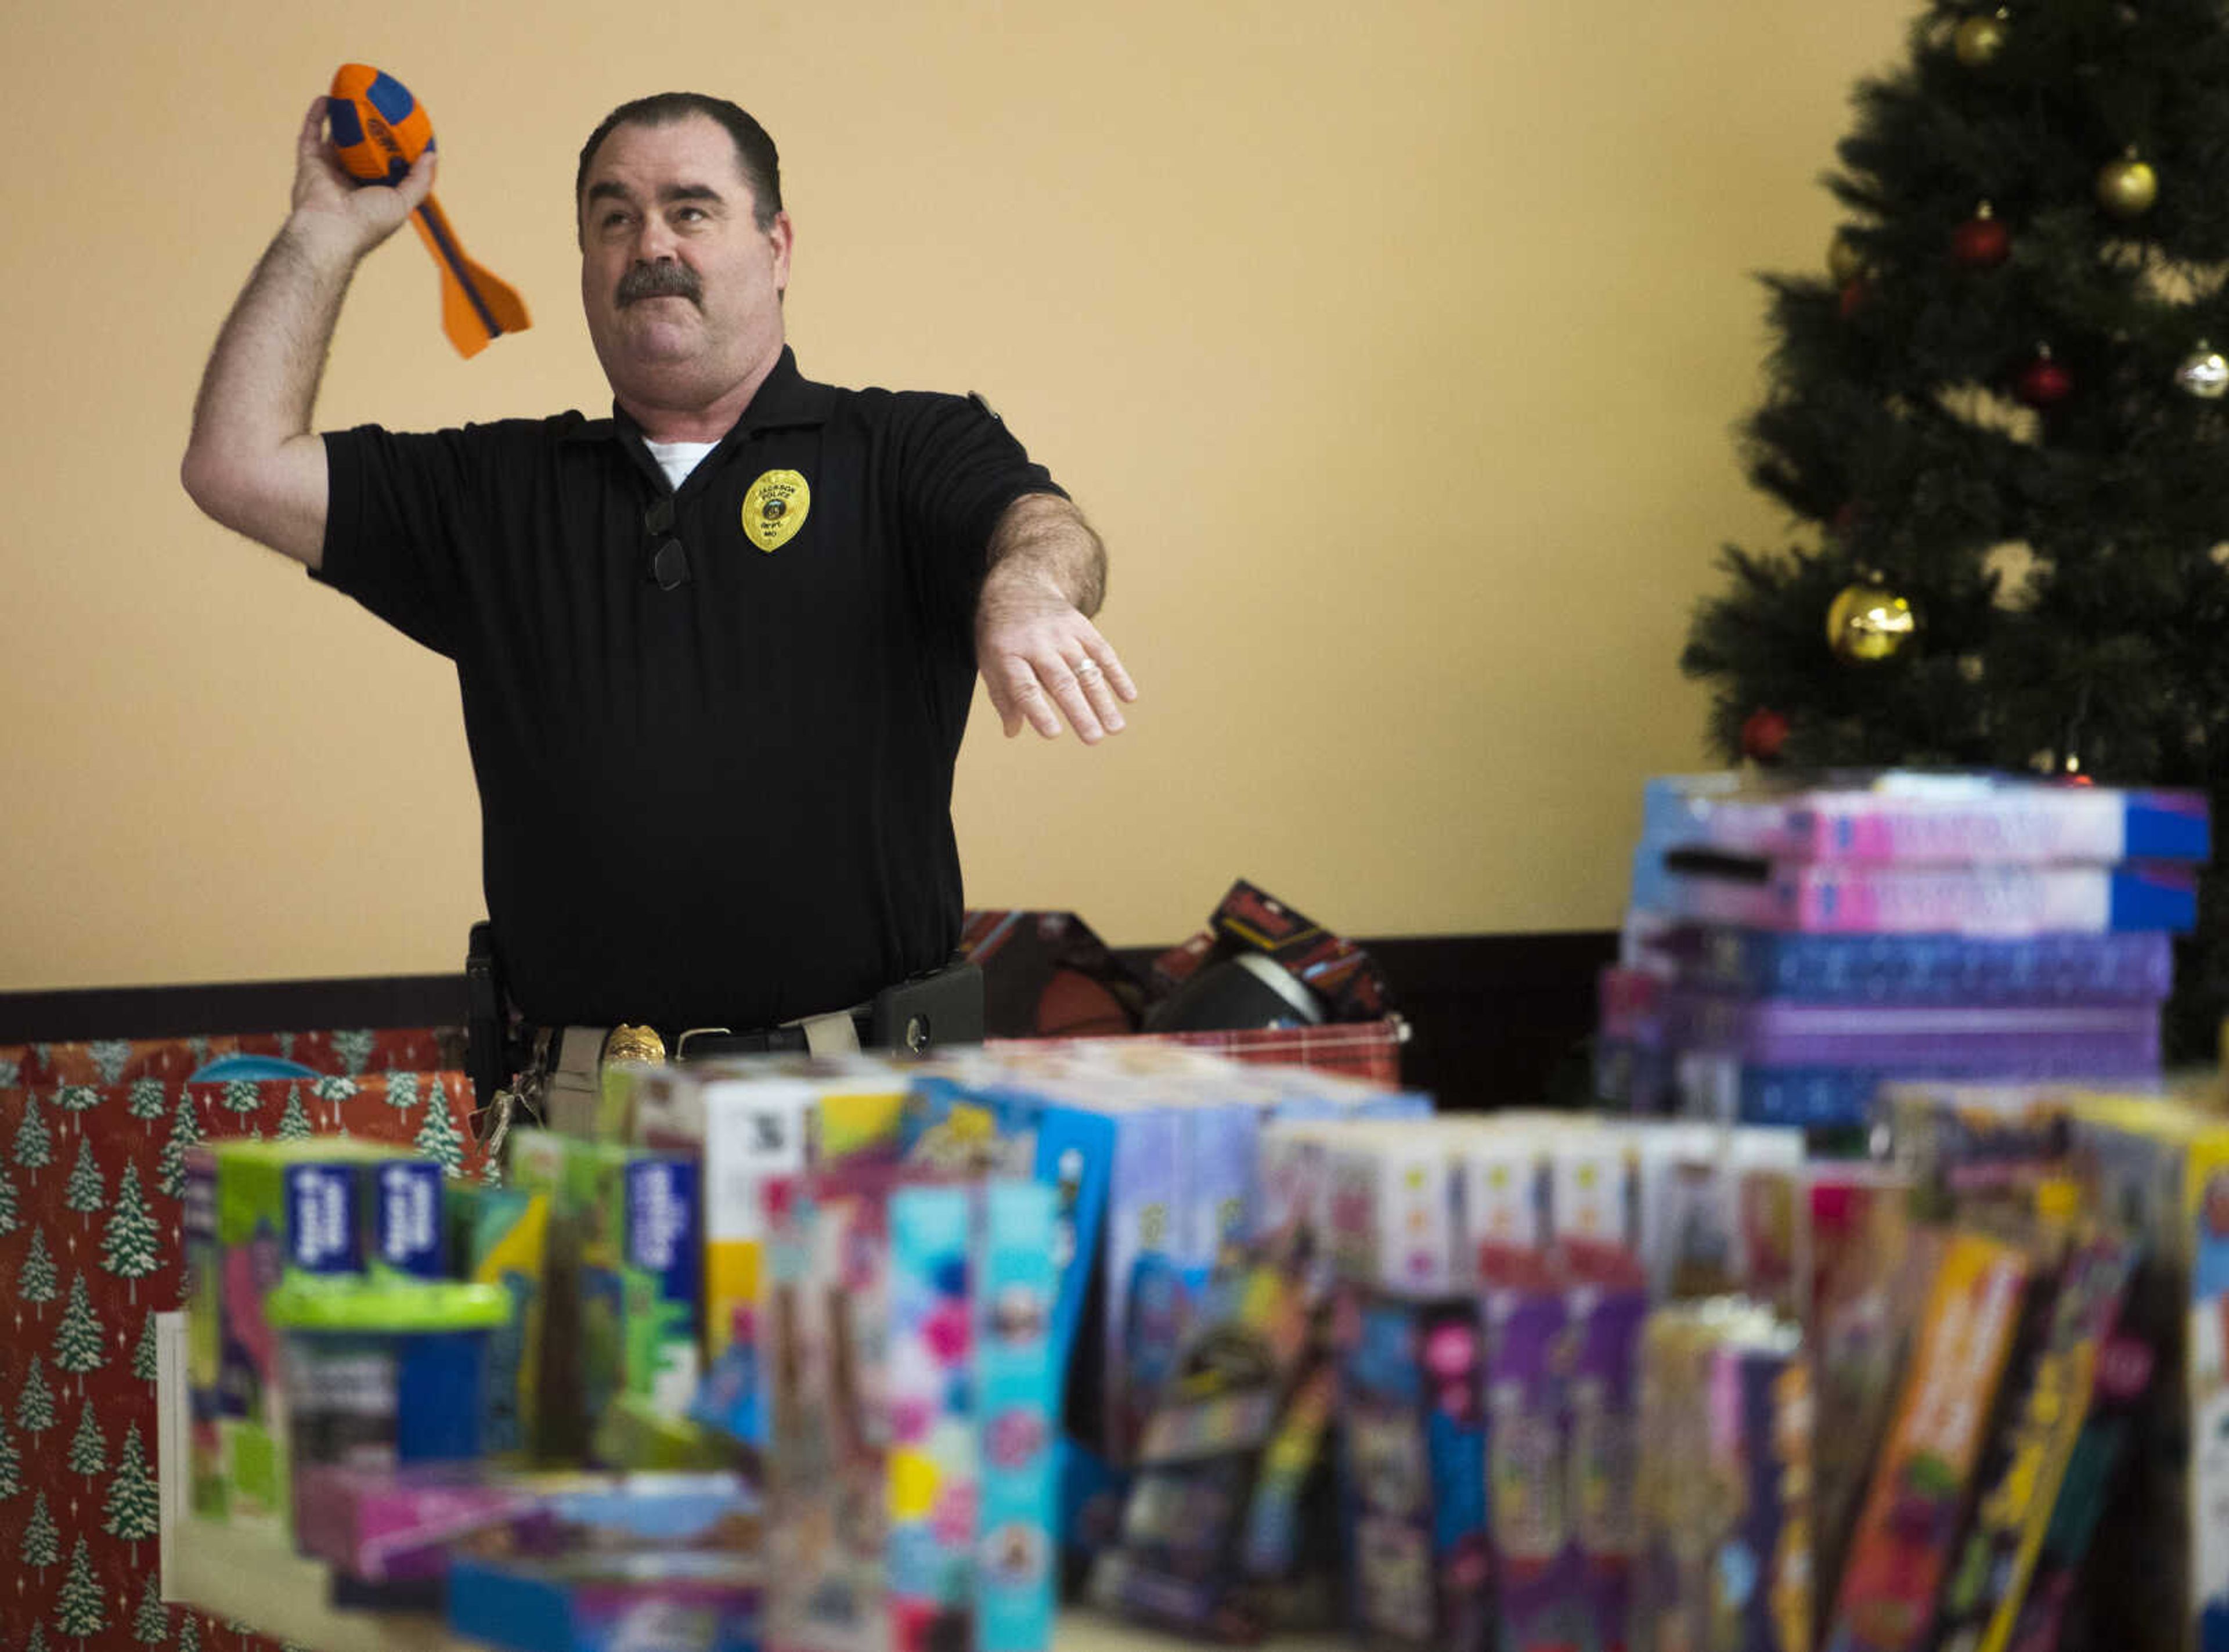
(476,306)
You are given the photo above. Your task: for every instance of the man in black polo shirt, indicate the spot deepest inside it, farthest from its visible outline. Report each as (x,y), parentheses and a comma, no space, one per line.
(716,651)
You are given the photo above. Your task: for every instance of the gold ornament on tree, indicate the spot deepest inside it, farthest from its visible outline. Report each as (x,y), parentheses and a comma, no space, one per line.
(2127,188)
(1868,622)
(1979,41)
(2204,373)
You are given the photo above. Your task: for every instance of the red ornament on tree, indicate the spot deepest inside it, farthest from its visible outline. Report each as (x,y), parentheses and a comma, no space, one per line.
(1764,733)
(2043,384)
(1855,292)
(1981,242)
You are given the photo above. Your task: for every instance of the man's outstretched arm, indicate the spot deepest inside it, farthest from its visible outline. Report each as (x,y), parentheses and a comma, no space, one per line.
(1040,655)
(251,462)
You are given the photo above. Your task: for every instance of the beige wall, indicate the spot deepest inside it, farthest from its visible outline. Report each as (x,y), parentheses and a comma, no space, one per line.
(1394,349)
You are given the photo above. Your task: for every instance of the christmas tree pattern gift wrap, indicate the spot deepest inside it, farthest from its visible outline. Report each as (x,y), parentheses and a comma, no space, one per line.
(77,1489)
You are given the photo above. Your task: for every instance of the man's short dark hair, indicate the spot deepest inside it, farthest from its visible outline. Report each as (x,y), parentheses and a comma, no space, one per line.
(755,150)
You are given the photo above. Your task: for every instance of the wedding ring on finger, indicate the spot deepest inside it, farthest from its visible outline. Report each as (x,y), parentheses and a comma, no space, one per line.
(1085,671)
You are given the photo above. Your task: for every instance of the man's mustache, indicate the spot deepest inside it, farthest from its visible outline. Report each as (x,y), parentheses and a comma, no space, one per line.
(668,278)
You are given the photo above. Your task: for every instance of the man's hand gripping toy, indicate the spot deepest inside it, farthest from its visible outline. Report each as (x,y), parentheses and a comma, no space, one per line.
(378,130)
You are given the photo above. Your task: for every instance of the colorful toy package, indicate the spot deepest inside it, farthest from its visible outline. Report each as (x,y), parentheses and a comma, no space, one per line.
(1413,1428)
(1528,1482)
(2019,1488)
(642,1265)
(409,1238)
(1913,1516)
(2107,1485)
(1212,1536)
(257,1213)
(613,1602)
(559,1170)
(1968,1147)
(1724,1487)
(1396,1213)
(380,1370)
(751,1121)
(2159,1170)
(913,1403)
(626,1280)
(1871,1268)
(500,1236)
(408,1523)
(1602,1453)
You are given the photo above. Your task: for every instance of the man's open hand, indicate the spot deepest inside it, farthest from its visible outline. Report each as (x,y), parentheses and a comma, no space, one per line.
(1041,659)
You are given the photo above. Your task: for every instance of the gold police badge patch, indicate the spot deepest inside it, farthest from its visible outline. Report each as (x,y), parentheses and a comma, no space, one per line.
(775,509)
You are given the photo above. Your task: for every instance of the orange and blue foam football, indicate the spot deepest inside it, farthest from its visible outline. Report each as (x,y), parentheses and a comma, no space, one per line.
(378,126)
(378,130)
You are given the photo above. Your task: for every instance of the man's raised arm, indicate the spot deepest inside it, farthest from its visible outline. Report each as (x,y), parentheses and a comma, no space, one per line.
(1040,655)
(251,462)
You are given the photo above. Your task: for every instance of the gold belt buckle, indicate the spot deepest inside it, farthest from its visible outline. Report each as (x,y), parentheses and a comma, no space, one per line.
(634,1043)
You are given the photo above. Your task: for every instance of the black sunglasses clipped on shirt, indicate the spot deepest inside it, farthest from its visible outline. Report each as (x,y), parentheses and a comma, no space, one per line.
(669,563)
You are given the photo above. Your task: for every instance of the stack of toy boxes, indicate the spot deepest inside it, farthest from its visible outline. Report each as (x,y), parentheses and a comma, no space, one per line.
(912,1393)
(1152,1150)
(1526,1243)
(1815,935)
(258,1213)
(2085,1449)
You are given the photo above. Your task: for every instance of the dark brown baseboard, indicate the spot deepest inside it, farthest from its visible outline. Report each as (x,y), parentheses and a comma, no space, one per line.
(1497,1020)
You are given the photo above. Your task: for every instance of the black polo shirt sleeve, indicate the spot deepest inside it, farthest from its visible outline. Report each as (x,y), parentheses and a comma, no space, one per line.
(395,511)
(959,469)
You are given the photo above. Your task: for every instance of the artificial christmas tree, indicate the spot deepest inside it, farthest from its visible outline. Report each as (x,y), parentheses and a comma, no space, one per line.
(1998,412)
